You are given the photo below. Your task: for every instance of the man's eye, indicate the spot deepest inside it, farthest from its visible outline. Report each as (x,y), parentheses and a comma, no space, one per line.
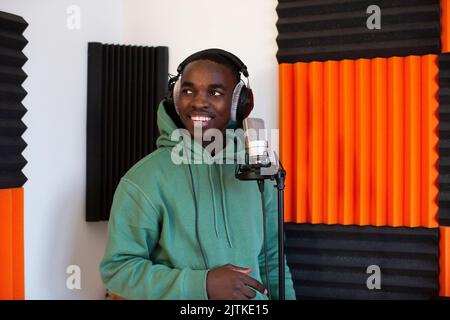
(216,93)
(186,91)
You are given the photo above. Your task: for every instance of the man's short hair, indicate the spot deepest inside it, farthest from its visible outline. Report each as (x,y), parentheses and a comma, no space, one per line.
(217,58)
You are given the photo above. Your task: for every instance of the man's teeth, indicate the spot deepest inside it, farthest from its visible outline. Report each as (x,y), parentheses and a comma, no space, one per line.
(200,118)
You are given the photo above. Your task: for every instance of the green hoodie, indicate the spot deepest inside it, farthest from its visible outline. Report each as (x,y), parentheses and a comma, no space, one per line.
(152,250)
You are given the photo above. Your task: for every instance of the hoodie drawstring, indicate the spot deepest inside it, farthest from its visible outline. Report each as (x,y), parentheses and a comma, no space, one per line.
(214,201)
(225,213)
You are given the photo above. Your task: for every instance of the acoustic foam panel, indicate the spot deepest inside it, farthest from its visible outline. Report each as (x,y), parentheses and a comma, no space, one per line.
(331,262)
(444,262)
(358,139)
(323,30)
(11,244)
(11,94)
(444,139)
(125,86)
(445,25)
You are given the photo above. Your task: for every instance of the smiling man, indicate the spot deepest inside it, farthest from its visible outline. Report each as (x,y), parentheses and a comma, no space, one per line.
(204,96)
(194,231)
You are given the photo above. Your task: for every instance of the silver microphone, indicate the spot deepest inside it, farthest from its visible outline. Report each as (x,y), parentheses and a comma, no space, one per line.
(256,144)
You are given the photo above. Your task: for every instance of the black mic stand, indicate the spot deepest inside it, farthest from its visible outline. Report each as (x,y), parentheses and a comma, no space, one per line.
(253,172)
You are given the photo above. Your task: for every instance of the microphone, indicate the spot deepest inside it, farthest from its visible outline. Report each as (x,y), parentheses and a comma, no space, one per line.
(258,165)
(256,144)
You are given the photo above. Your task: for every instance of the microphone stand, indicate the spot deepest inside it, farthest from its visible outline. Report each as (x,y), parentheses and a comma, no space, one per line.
(255,172)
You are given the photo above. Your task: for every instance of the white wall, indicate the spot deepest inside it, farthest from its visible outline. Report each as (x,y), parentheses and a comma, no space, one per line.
(244,27)
(56,234)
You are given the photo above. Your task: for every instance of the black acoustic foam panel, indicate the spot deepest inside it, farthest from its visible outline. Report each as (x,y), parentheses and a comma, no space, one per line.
(12,110)
(444,139)
(330,262)
(320,30)
(125,86)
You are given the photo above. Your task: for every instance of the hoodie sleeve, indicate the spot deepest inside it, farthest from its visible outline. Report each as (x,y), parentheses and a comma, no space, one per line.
(271,204)
(133,232)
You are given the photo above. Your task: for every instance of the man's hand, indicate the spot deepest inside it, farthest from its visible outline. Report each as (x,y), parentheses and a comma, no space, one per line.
(229,282)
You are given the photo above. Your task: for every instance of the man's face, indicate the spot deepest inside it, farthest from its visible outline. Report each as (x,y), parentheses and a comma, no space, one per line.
(205,95)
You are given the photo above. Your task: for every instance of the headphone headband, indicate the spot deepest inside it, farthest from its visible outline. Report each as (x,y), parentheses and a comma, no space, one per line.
(234,59)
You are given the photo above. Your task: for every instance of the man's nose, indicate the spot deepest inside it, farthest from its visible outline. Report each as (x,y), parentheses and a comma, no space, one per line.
(200,100)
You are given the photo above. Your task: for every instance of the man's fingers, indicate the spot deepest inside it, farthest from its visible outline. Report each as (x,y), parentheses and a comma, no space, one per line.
(246,271)
(249,293)
(240,269)
(254,284)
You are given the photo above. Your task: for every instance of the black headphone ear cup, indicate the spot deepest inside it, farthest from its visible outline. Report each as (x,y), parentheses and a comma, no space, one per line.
(173,91)
(176,94)
(171,84)
(235,97)
(245,103)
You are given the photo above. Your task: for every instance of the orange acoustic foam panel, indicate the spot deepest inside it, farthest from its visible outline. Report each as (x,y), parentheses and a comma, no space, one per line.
(11,244)
(358,139)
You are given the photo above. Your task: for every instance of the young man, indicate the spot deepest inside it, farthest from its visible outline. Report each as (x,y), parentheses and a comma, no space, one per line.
(187,230)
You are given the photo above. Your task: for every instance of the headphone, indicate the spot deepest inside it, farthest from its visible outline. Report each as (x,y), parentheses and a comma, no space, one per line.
(242,99)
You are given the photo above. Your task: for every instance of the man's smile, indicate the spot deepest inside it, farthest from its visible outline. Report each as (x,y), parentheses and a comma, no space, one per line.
(200,120)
